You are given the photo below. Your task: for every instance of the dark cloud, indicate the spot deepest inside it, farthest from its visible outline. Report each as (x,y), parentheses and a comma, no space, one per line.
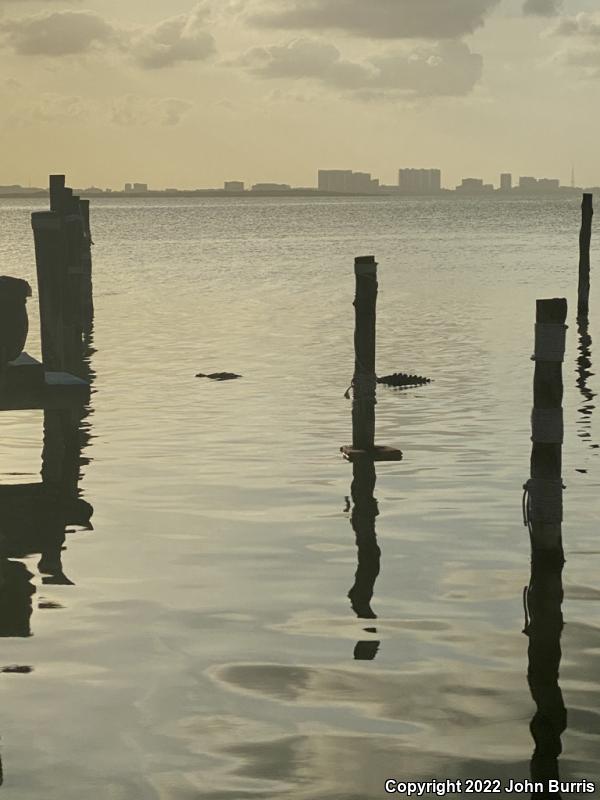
(181,38)
(57,33)
(380,19)
(446,68)
(542,8)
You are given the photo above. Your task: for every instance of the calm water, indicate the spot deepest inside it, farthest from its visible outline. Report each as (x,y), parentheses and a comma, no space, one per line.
(207,648)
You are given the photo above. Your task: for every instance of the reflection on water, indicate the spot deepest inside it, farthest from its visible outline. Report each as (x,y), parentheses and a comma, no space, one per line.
(35,517)
(544,629)
(364,513)
(584,372)
(209,637)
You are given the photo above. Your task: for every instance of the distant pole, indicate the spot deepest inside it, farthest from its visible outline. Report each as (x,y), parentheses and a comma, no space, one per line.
(365,381)
(544,490)
(585,237)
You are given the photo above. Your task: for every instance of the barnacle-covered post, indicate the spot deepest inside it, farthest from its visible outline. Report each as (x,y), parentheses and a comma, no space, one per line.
(544,491)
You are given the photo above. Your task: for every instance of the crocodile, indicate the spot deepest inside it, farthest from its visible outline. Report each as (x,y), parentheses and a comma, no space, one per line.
(401,380)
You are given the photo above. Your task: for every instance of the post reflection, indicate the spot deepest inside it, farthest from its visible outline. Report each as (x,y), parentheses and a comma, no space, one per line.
(35,517)
(544,629)
(584,372)
(363,515)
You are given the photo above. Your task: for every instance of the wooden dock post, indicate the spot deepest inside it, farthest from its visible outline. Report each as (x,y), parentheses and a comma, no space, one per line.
(87,293)
(364,383)
(544,491)
(585,237)
(57,193)
(50,260)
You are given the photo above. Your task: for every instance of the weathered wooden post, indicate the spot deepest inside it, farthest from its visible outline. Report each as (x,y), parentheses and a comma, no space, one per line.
(585,237)
(364,383)
(543,504)
(57,193)
(87,294)
(50,260)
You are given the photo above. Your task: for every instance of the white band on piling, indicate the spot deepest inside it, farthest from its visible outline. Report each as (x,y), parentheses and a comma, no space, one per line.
(550,341)
(547,426)
(544,502)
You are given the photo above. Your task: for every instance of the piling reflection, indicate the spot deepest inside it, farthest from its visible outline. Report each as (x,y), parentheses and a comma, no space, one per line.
(544,629)
(584,372)
(35,517)
(363,515)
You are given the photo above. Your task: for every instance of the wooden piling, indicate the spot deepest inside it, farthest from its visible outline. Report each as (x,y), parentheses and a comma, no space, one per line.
(585,237)
(50,257)
(57,193)
(365,381)
(544,490)
(87,294)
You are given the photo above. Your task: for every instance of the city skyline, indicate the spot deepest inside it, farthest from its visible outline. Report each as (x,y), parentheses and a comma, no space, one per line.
(183,92)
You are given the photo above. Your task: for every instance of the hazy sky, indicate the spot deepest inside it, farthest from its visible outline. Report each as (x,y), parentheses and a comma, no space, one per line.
(190,94)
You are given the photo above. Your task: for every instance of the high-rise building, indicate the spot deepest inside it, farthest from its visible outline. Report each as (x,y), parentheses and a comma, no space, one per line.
(470,185)
(128,187)
(420,181)
(140,187)
(344,181)
(506,182)
(234,186)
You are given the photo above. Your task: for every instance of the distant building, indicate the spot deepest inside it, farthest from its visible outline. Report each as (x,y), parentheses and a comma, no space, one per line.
(271,187)
(528,184)
(548,184)
(140,187)
(506,182)
(420,181)
(470,185)
(128,187)
(345,181)
(234,186)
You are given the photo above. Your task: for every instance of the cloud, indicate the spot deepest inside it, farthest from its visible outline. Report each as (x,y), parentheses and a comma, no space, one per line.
(542,8)
(69,32)
(180,38)
(443,69)
(57,33)
(132,110)
(380,19)
(583,26)
(581,34)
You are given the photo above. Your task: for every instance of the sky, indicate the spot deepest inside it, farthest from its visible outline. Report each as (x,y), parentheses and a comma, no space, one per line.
(191,94)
